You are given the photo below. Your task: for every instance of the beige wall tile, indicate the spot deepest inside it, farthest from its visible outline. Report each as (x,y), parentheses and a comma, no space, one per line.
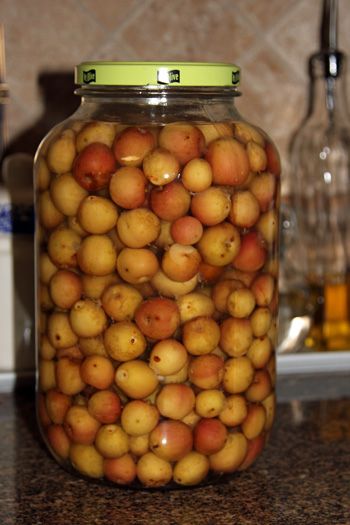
(111,13)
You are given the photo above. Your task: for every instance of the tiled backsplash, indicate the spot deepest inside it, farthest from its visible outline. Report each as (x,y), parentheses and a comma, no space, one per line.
(270,39)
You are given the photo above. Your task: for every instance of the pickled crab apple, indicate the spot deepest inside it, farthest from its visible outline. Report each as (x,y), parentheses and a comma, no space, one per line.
(93,167)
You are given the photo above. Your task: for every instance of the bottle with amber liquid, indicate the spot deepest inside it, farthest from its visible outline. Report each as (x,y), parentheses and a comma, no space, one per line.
(320,170)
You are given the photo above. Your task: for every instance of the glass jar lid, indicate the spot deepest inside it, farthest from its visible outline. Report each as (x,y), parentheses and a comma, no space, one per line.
(199,74)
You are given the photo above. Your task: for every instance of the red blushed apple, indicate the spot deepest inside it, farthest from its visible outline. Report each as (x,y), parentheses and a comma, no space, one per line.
(93,167)
(132,145)
(229,161)
(171,440)
(57,405)
(273,159)
(185,141)
(206,371)
(105,406)
(158,318)
(120,470)
(255,447)
(170,202)
(260,387)
(263,289)
(175,401)
(186,230)
(209,436)
(209,273)
(252,253)
(58,440)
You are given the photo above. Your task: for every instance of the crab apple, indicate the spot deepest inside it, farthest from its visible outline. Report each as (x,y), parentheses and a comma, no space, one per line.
(171,440)
(273,159)
(251,255)
(103,132)
(178,377)
(127,187)
(161,167)
(245,209)
(59,331)
(80,426)
(94,166)
(137,265)
(124,341)
(236,336)
(95,285)
(255,447)
(175,401)
(238,374)
(87,460)
(132,145)
(120,301)
(185,141)
(245,133)
(200,335)
(58,440)
(215,130)
(63,247)
(139,445)
(67,194)
(97,214)
(97,371)
(136,379)
(241,303)
(229,161)
(197,175)
(158,318)
(167,357)
(111,441)
(139,417)
(263,288)
(219,244)
(92,346)
(269,403)
(209,436)
(171,201)
(164,239)
(230,457)
(61,153)
(137,228)
(245,278)
(43,416)
(42,174)
(234,411)
(195,304)
(186,230)
(180,262)
(68,376)
(57,405)
(191,419)
(65,288)
(46,350)
(211,206)
(260,387)
(45,300)
(263,187)
(261,320)
(49,214)
(271,368)
(170,288)
(120,470)
(153,471)
(257,156)
(105,406)
(73,224)
(209,273)
(254,423)
(260,351)
(97,255)
(209,403)
(46,268)
(191,469)
(72,352)
(206,371)
(87,318)
(267,226)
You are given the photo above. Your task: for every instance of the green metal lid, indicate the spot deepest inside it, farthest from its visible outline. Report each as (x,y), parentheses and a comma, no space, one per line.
(157,73)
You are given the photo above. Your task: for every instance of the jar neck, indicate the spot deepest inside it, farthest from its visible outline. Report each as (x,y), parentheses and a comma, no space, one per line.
(328,102)
(156,104)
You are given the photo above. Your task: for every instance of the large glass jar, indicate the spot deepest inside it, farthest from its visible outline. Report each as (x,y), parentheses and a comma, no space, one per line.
(157,266)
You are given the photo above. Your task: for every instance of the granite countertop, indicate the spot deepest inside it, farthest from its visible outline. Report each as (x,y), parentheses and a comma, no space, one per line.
(303,477)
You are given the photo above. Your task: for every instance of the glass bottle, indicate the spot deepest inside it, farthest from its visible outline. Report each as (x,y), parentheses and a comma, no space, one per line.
(320,198)
(157,266)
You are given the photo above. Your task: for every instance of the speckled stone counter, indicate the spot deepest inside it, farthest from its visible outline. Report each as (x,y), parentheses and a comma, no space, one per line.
(303,477)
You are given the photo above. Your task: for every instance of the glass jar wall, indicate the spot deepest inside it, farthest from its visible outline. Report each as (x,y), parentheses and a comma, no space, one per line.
(156,238)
